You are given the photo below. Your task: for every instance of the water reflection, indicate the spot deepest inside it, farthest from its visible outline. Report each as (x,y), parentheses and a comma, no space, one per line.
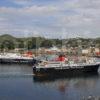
(63,84)
(62,87)
(54,78)
(15,70)
(88,83)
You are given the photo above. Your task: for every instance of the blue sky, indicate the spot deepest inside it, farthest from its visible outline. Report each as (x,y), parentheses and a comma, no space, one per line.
(22,3)
(50,18)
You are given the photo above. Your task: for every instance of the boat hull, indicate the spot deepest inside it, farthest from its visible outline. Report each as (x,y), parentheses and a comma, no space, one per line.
(65,71)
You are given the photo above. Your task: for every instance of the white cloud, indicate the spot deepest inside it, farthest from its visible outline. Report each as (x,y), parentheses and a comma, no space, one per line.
(2,19)
(78,17)
(40,10)
(33,10)
(87,4)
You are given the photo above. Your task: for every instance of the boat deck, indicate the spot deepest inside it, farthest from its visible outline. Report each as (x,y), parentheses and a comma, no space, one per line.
(63,65)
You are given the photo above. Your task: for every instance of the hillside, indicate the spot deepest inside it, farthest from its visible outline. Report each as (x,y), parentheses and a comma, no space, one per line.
(10,42)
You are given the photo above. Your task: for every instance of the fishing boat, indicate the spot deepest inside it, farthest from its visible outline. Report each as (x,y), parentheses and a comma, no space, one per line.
(64,67)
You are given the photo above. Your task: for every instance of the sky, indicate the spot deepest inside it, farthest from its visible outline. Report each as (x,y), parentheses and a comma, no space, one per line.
(50,18)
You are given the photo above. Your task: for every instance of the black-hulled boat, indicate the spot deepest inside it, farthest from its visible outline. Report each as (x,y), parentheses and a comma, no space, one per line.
(62,69)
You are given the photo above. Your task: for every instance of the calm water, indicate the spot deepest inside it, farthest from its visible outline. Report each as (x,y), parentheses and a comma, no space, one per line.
(17,83)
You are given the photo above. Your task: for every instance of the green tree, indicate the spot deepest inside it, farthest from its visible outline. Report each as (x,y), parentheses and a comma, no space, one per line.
(46,43)
(7,45)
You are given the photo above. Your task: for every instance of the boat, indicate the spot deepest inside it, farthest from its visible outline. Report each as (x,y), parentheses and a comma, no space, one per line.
(16,58)
(64,68)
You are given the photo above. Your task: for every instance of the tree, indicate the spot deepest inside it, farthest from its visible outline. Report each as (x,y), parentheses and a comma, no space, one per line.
(7,45)
(46,43)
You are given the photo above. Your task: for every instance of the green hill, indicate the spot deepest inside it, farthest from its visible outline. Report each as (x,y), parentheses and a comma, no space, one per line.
(7,37)
(10,42)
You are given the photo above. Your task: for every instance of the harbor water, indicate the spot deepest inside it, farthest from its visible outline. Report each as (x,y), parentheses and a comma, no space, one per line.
(17,82)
